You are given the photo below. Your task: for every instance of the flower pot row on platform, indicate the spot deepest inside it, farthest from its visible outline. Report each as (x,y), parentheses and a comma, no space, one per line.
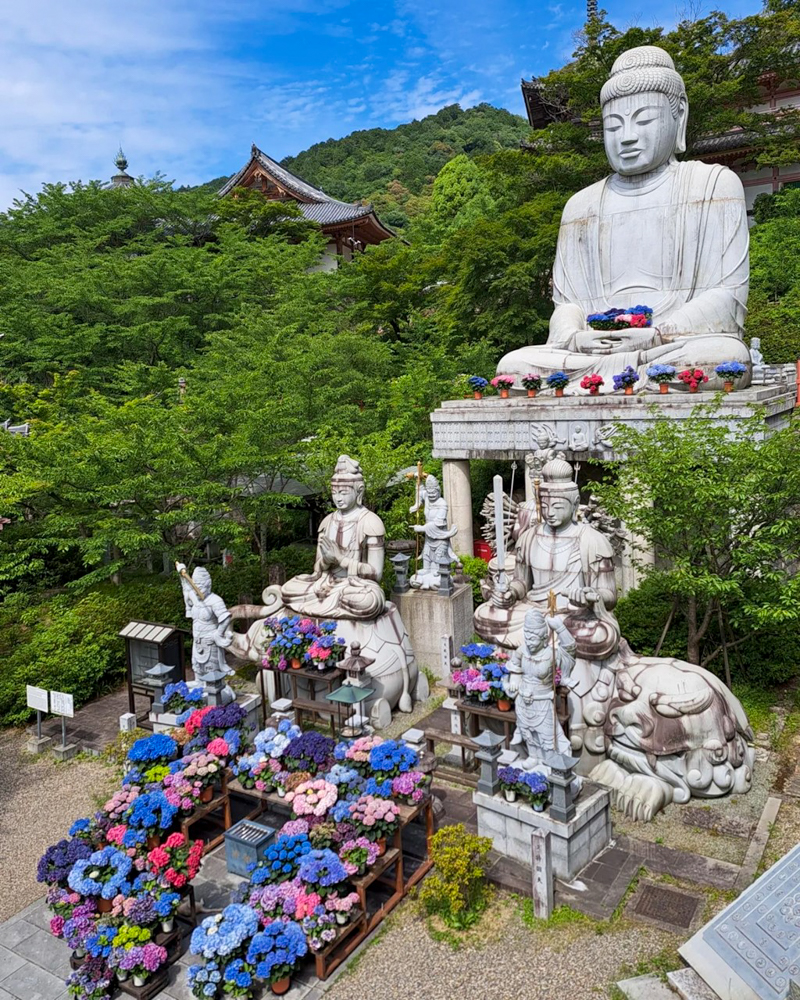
(624,381)
(116,883)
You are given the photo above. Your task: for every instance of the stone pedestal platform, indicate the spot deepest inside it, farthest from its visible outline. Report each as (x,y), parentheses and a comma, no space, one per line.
(581,426)
(428,616)
(573,845)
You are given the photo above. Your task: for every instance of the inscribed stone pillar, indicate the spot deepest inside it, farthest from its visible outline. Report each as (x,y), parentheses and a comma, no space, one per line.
(458,494)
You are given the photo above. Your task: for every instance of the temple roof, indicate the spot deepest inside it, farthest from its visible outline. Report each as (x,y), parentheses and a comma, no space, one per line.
(314,204)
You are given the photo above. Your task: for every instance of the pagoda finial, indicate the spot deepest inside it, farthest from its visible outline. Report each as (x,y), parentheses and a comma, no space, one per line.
(591,10)
(121,161)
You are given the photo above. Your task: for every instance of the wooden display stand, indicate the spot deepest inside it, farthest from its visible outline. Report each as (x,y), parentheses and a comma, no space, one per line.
(216,812)
(388,872)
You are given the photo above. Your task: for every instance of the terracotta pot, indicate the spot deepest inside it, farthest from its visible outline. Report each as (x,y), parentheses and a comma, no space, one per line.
(153,841)
(381,846)
(594,391)
(281,986)
(207,794)
(103,905)
(728,386)
(663,388)
(503,705)
(477,395)
(628,390)
(559,392)
(504,393)
(296,664)
(532,393)
(692,388)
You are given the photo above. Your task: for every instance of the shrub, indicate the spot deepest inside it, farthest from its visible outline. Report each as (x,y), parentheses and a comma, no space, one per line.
(456,890)
(476,569)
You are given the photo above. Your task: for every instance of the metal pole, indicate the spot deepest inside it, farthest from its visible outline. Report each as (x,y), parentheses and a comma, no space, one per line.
(63,730)
(38,723)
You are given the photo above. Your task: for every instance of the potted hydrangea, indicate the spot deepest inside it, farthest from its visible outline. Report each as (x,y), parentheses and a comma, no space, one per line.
(535,789)
(693,377)
(592,383)
(503,384)
(275,951)
(322,871)
(509,780)
(626,380)
(663,375)
(558,381)
(729,371)
(392,757)
(342,907)
(312,798)
(478,385)
(281,859)
(357,855)
(103,875)
(374,818)
(532,382)
(310,752)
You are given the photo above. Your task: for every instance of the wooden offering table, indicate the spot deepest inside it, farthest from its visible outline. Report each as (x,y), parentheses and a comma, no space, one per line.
(471,713)
(217,812)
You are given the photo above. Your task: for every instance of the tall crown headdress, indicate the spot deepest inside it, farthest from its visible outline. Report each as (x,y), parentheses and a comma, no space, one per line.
(557,480)
(347,470)
(642,69)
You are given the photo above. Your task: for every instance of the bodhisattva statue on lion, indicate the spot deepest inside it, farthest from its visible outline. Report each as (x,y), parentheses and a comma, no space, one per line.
(345,586)
(654,730)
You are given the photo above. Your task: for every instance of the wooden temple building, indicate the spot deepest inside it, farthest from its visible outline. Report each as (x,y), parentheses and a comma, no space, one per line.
(735,148)
(349,227)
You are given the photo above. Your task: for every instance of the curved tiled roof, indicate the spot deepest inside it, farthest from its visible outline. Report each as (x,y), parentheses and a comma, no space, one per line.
(313,203)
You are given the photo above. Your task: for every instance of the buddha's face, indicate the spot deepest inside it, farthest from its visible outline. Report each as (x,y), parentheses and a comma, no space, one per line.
(640,132)
(557,511)
(344,495)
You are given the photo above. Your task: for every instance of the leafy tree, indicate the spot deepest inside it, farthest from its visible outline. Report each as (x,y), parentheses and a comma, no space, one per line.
(720,512)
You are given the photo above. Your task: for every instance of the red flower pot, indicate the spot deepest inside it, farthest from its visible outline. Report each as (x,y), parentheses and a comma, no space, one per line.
(531,393)
(559,392)
(281,986)
(103,905)
(594,391)
(728,386)
(477,395)
(503,705)
(504,393)
(663,388)
(296,664)
(381,844)
(207,794)
(153,841)
(628,390)
(692,388)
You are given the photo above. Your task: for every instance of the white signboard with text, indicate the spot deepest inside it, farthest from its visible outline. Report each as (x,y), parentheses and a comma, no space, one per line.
(37,698)
(61,704)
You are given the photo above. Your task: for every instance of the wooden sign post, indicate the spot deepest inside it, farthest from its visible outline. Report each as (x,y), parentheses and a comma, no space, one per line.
(541,874)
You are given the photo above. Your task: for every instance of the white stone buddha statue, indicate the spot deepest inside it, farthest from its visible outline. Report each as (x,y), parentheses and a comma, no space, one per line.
(672,236)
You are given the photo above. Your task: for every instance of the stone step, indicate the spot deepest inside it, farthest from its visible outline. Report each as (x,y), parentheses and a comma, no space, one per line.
(646,988)
(689,986)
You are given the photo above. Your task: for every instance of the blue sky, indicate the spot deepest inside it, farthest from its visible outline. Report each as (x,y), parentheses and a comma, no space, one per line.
(187,85)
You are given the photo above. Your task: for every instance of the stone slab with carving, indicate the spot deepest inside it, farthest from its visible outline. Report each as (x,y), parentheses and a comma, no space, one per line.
(345,587)
(669,235)
(751,950)
(653,730)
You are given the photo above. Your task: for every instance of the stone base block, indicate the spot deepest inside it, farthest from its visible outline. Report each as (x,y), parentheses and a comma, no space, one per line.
(251,703)
(428,616)
(573,845)
(163,722)
(38,744)
(66,752)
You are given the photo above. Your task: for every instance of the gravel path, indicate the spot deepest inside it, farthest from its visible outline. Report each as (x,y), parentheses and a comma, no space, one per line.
(39,799)
(507,961)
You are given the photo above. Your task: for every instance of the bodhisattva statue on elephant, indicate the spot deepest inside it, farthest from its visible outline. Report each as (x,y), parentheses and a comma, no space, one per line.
(654,730)
(345,586)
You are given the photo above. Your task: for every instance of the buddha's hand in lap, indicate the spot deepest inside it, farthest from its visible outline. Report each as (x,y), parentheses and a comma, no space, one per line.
(584,596)
(614,341)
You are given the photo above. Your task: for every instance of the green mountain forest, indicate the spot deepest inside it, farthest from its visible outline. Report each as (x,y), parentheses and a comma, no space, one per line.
(180,365)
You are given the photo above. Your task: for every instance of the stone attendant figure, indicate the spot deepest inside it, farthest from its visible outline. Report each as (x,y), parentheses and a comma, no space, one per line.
(669,235)
(437,547)
(349,566)
(561,554)
(530,684)
(210,620)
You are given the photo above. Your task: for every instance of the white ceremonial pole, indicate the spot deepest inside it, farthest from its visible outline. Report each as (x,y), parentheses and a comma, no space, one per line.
(499,535)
